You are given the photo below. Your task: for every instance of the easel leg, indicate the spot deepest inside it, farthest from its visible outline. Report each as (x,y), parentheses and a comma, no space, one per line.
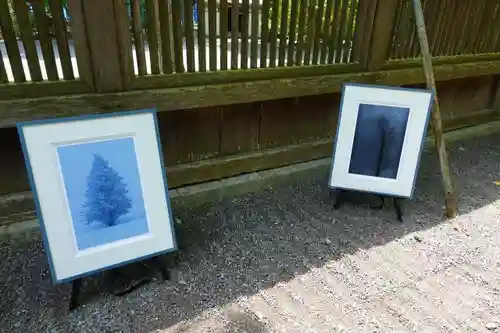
(75,293)
(161,268)
(382,202)
(338,198)
(399,209)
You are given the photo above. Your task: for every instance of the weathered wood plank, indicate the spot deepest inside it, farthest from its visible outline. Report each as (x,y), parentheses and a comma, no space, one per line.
(26,30)
(177,31)
(235,27)
(283,33)
(99,17)
(10,40)
(348,36)
(318,31)
(273,35)
(239,128)
(299,54)
(12,111)
(188,27)
(325,31)
(339,45)
(139,37)
(382,33)
(124,42)
(254,47)
(165,33)
(212,31)
(223,25)
(202,36)
(264,38)
(311,31)
(152,33)
(80,41)
(42,89)
(293,32)
(62,38)
(42,25)
(245,12)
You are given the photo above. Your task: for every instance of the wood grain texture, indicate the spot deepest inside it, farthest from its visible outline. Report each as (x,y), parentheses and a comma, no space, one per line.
(10,40)
(12,111)
(61,32)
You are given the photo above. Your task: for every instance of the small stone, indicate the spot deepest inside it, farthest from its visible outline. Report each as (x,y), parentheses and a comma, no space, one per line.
(491,326)
(178,220)
(181,281)
(132,312)
(418,238)
(328,241)
(17,324)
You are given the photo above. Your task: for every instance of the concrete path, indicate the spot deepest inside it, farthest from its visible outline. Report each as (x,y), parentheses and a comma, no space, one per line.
(281,260)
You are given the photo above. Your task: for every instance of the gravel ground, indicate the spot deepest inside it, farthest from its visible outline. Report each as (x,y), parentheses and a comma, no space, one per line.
(281,260)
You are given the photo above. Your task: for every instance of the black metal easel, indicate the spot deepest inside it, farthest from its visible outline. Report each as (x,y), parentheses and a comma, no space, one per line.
(339,198)
(77,283)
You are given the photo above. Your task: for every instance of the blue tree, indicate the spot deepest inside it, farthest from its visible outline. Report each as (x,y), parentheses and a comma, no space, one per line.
(106,194)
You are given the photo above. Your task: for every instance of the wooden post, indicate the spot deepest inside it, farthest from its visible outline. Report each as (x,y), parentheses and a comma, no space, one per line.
(377,53)
(450,199)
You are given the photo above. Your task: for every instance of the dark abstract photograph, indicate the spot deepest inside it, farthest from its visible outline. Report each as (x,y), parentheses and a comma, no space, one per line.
(103,191)
(378,140)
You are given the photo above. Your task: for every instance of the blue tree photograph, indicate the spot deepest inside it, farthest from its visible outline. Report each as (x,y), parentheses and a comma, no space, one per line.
(103,189)
(378,140)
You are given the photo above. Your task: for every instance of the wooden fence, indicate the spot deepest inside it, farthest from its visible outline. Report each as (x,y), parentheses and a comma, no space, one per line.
(248,84)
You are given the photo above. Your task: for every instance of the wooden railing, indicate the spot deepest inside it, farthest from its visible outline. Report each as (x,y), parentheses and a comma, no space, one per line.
(123,45)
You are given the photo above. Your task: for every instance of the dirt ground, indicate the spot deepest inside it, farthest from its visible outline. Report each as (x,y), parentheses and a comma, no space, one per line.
(282,260)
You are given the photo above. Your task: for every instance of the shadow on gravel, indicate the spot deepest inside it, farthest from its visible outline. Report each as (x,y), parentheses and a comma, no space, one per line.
(240,246)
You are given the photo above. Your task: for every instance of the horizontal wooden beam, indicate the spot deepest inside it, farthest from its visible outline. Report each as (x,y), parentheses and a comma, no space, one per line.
(170,99)
(10,91)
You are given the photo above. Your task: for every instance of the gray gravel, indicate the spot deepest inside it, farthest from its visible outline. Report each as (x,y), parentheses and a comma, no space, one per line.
(254,263)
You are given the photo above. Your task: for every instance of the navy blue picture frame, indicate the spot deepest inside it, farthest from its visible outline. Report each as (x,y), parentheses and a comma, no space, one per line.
(335,141)
(21,125)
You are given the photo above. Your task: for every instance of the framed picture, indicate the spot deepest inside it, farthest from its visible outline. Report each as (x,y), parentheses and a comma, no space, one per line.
(379,139)
(100,190)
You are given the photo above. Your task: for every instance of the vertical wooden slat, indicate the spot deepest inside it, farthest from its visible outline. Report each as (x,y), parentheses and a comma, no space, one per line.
(152,31)
(245,10)
(11,42)
(104,52)
(138,37)
(254,52)
(212,31)
(223,33)
(412,37)
(26,29)
(474,34)
(335,31)
(349,32)
(202,54)
(166,47)
(362,32)
(292,34)
(45,41)
(445,28)
(339,48)
(454,28)
(325,31)
(177,29)
(381,36)
(468,23)
(301,33)
(80,40)
(311,11)
(318,32)
(124,40)
(283,33)
(403,35)
(264,39)
(3,73)
(234,33)
(489,45)
(273,35)
(188,27)
(436,37)
(484,24)
(61,38)
(431,11)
